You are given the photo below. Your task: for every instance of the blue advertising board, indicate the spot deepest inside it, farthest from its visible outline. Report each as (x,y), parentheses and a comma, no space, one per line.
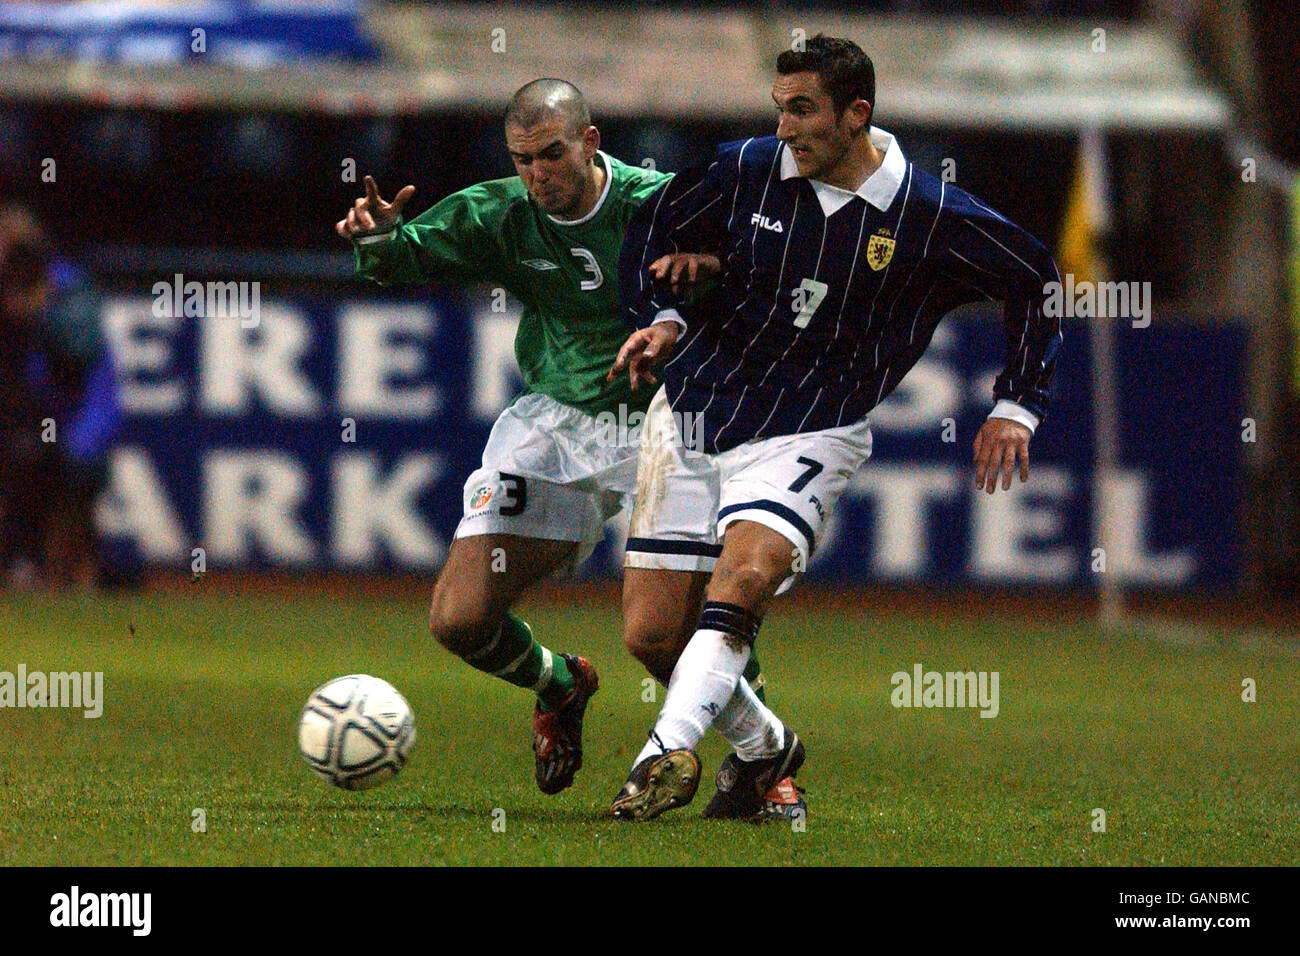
(250,33)
(338,435)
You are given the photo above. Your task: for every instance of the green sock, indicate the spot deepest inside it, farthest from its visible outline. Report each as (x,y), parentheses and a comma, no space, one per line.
(754,674)
(515,656)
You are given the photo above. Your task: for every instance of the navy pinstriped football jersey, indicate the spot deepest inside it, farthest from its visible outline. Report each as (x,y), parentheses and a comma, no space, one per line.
(819,314)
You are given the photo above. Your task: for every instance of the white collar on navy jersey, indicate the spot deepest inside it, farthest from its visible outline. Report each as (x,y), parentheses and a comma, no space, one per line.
(878,189)
(609,180)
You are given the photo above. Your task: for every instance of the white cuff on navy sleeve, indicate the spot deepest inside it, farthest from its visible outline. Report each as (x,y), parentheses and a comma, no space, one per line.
(669,315)
(1017,413)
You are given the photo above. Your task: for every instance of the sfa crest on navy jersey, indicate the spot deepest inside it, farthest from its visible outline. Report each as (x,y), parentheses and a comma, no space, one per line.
(880,249)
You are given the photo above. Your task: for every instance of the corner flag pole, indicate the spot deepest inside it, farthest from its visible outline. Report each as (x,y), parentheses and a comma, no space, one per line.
(1095,175)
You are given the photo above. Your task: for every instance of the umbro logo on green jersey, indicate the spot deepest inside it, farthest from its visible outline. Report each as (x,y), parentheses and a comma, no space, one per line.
(541,265)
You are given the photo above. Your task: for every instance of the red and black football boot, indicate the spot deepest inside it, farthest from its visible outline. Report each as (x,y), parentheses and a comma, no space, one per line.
(557,733)
(745,785)
(784,802)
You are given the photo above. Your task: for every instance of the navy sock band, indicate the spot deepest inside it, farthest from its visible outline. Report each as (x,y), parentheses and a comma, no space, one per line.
(730,619)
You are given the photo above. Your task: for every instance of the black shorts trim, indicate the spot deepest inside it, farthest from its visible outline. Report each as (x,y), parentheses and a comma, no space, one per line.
(664,546)
(778,509)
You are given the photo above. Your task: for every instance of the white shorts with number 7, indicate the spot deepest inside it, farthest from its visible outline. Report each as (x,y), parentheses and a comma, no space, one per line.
(686,499)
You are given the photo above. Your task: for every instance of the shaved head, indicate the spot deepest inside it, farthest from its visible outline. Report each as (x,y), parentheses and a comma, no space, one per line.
(553,145)
(548,98)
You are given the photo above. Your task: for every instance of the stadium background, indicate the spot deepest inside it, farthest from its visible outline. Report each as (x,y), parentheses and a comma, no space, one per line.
(226,157)
(1143,142)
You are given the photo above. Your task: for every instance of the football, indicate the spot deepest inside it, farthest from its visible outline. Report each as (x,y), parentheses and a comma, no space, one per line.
(356,731)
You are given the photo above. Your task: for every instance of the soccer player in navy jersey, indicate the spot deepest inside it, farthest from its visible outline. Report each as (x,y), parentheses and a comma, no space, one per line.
(838,258)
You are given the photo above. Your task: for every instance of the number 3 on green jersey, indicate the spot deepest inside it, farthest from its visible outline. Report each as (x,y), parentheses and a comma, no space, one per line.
(591,265)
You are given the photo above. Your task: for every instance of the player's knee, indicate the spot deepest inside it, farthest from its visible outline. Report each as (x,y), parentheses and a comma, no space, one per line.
(747,582)
(459,625)
(653,642)
(641,641)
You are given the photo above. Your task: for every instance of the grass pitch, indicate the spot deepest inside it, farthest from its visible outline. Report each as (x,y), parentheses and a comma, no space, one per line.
(202,694)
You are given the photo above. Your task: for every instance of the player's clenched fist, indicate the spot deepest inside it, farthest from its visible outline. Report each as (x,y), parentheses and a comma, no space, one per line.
(998,446)
(642,349)
(370,215)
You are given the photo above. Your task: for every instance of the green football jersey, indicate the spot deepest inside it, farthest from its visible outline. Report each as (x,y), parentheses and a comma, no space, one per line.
(564,273)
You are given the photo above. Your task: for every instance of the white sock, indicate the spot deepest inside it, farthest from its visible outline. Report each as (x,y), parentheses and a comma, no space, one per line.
(703,682)
(748,725)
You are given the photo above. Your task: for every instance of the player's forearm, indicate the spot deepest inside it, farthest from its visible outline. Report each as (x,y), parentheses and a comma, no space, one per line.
(388,259)
(1026,270)
(675,220)
(1033,337)
(644,296)
(1033,341)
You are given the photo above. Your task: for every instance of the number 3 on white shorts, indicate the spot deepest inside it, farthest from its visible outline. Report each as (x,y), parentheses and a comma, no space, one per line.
(807,297)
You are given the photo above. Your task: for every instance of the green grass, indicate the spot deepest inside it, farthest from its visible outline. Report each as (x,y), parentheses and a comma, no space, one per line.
(202,700)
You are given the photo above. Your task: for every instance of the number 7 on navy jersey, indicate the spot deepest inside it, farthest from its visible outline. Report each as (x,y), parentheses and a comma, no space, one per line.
(807,297)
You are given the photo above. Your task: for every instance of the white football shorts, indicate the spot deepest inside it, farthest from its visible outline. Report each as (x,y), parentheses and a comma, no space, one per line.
(686,499)
(549,471)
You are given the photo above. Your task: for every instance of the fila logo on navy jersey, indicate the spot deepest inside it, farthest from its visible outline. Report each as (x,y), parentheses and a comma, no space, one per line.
(765,223)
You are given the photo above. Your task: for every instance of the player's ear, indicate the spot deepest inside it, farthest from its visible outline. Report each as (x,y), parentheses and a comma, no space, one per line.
(590,142)
(860,112)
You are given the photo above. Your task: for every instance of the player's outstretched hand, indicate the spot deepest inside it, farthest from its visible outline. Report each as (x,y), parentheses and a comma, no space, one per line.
(998,446)
(370,215)
(642,349)
(691,266)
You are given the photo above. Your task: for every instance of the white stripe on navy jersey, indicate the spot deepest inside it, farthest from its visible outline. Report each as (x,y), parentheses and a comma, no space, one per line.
(738,310)
(739,165)
(871,314)
(642,279)
(1004,249)
(911,337)
(848,284)
(776,304)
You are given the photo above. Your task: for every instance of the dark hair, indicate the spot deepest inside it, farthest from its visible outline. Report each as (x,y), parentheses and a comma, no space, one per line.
(24,266)
(24,248)
(845,71)
(541,99)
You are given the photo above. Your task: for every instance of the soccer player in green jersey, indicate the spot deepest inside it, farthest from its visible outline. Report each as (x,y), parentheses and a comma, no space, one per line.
(552,473)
